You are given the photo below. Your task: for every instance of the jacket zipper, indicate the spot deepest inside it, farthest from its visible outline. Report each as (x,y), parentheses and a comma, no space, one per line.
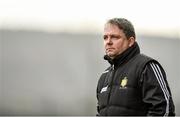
(111,83)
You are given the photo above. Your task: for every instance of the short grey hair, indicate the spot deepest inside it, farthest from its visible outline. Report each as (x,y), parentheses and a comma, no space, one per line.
(124,25)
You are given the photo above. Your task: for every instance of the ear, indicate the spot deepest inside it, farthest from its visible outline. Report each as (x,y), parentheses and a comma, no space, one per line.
(131,41)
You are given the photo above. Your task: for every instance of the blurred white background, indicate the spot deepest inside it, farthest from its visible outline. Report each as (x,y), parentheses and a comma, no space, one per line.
(51,51)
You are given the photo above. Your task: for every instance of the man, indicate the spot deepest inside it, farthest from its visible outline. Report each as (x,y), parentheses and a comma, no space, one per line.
(134,84)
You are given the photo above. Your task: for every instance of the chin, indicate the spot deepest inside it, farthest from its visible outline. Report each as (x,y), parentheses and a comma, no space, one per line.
(110,55)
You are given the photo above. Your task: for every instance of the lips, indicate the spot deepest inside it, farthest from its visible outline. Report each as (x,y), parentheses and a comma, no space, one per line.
(108,49)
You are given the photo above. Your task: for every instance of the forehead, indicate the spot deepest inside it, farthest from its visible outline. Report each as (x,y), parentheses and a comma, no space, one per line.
(112,29)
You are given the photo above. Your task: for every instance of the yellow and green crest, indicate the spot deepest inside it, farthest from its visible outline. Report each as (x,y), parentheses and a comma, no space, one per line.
(124,82)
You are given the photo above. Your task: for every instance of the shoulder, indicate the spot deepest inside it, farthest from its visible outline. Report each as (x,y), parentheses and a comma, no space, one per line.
(106,70)
(145,62)
(150,62)
(155,66)
(153,69)
(144,57)
(140,60)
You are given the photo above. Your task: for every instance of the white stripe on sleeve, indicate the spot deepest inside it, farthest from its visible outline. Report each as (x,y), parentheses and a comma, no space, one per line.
(162,84)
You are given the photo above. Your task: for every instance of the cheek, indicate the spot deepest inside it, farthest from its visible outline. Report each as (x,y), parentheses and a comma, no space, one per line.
(104,45)
(121,46)
(118,45)
(125,46)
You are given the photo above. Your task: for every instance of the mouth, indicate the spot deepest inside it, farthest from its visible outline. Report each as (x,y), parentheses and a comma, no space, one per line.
(109,49)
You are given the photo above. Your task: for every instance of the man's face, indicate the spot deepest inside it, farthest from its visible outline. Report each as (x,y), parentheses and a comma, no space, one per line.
(115,41)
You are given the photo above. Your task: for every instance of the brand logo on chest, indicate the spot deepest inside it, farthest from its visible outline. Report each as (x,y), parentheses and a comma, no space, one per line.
(123,83)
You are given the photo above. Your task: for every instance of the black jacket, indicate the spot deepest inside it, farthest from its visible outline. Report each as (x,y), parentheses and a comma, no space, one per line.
(134,84)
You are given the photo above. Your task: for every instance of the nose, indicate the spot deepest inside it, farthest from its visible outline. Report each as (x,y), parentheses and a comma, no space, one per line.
(108,41)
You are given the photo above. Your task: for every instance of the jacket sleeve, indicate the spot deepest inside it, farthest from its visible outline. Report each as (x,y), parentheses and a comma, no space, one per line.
(155,91)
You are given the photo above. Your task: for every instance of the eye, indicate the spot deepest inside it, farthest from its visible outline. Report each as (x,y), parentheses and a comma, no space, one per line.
(105,37)
(115,36)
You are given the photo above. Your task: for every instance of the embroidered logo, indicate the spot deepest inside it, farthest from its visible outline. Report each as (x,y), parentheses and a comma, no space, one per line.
(123,82)
(104,89)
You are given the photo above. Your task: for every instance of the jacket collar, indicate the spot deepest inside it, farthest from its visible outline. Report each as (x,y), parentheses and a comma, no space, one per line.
(125,56)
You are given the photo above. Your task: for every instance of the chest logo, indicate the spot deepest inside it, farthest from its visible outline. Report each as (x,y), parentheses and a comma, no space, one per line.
(124,82)
(104,89)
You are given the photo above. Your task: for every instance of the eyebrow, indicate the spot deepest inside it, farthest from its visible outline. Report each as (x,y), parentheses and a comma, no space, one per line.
(112,35)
